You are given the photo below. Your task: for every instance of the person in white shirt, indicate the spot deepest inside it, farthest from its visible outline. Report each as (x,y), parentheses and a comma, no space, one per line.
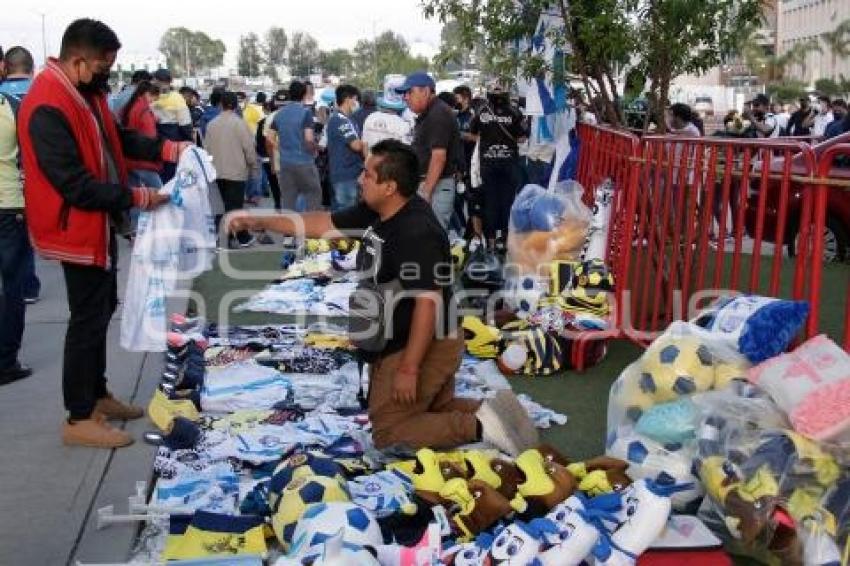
(782,115)
(823,117)
(386,124)
(680,122)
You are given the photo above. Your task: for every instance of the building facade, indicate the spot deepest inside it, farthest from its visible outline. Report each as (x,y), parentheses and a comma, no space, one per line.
(805,20)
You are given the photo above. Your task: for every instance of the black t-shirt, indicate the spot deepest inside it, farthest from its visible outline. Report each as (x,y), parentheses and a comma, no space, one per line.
(795,123)
(437,128)
(412,247)
(499,129)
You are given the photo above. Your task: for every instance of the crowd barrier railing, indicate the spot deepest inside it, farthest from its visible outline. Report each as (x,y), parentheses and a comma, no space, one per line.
(696,218)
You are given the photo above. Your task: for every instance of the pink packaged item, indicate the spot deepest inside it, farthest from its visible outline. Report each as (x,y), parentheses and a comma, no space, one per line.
(812,385)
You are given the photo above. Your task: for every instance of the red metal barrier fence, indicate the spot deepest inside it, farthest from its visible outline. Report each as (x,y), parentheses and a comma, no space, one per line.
(694,218)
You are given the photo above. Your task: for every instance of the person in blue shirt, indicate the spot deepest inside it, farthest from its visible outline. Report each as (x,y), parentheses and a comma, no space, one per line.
(346,151)
(298,174)
(839,124)
(19,67)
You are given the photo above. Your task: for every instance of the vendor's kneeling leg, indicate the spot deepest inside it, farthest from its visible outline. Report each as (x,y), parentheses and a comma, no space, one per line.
(436,419)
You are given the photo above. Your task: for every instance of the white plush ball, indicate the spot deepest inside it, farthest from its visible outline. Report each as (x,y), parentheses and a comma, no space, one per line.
(663,463)
(323,520)
(514,357)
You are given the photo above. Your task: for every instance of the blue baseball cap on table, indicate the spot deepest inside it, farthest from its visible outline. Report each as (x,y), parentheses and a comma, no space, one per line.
(419,78)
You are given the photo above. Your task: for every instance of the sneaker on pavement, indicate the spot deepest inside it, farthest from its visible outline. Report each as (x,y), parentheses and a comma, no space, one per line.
(247,243)
(112,408)
(94,432)
(265,240)
(505,424)
(14,373)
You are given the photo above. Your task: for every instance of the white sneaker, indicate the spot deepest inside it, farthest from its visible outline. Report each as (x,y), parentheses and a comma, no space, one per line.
(506,425)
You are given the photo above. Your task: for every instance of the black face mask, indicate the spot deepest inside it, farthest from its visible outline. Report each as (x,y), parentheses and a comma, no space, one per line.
(98,84)
(759,114)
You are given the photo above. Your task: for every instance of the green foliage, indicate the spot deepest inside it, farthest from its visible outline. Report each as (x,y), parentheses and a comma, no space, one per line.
(604,39)
(336,62)
(193,49)
(303,54)
(787,90)
(828,87)
(275,46)
(387,54)
(250,59)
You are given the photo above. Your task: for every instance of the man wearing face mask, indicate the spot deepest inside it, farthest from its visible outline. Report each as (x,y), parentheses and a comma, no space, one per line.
(839,125)
(823,117)
(73,153)
(764,122)
(346,151)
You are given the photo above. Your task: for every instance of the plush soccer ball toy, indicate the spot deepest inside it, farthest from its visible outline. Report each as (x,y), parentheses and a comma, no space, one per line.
(323,520)
(333,551)
(297,497)
(628,397)
(523,293)
(674,366)
(725,373)
(650,460)
(301,466)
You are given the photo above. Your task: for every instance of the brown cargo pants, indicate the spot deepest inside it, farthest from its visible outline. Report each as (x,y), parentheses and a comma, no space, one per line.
(437,419)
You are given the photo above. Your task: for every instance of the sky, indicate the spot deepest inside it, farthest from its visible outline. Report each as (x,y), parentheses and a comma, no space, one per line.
(339,23)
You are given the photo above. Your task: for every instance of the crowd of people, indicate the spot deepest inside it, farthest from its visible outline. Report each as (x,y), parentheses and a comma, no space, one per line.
(85,158)
(824,119)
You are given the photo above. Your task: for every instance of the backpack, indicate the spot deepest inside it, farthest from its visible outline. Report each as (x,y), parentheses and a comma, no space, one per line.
(14,103)
(260,139)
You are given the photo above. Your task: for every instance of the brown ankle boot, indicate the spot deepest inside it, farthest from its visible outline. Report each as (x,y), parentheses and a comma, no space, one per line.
(94,432)
(112,408)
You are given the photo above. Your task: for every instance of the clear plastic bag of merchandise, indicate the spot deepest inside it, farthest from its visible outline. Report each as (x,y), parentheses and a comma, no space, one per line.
(769,489)
(654,407)
(680,363)
(547,225)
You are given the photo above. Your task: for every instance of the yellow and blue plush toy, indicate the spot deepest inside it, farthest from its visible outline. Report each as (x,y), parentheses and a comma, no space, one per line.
(674,366)
(297,497)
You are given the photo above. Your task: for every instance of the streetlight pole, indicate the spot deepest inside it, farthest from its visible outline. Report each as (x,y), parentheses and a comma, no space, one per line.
(43,37)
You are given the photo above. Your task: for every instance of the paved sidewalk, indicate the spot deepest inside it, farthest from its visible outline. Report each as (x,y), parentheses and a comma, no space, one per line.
(50,492)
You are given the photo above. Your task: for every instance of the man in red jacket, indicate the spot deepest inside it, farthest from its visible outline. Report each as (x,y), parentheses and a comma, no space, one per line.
(76,192)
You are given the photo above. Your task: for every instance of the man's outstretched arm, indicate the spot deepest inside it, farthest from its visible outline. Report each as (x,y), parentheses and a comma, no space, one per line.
(307,225)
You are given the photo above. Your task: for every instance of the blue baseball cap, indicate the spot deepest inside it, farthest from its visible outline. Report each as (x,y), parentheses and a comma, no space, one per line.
(419,78)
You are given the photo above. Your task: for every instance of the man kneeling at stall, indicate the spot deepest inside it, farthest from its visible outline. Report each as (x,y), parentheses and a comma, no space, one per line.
(404,256)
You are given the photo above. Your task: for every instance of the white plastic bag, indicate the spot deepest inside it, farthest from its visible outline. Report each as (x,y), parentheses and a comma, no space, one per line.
(175,240)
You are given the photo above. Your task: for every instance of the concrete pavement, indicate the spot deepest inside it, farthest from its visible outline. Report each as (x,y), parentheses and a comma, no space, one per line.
(50,492)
